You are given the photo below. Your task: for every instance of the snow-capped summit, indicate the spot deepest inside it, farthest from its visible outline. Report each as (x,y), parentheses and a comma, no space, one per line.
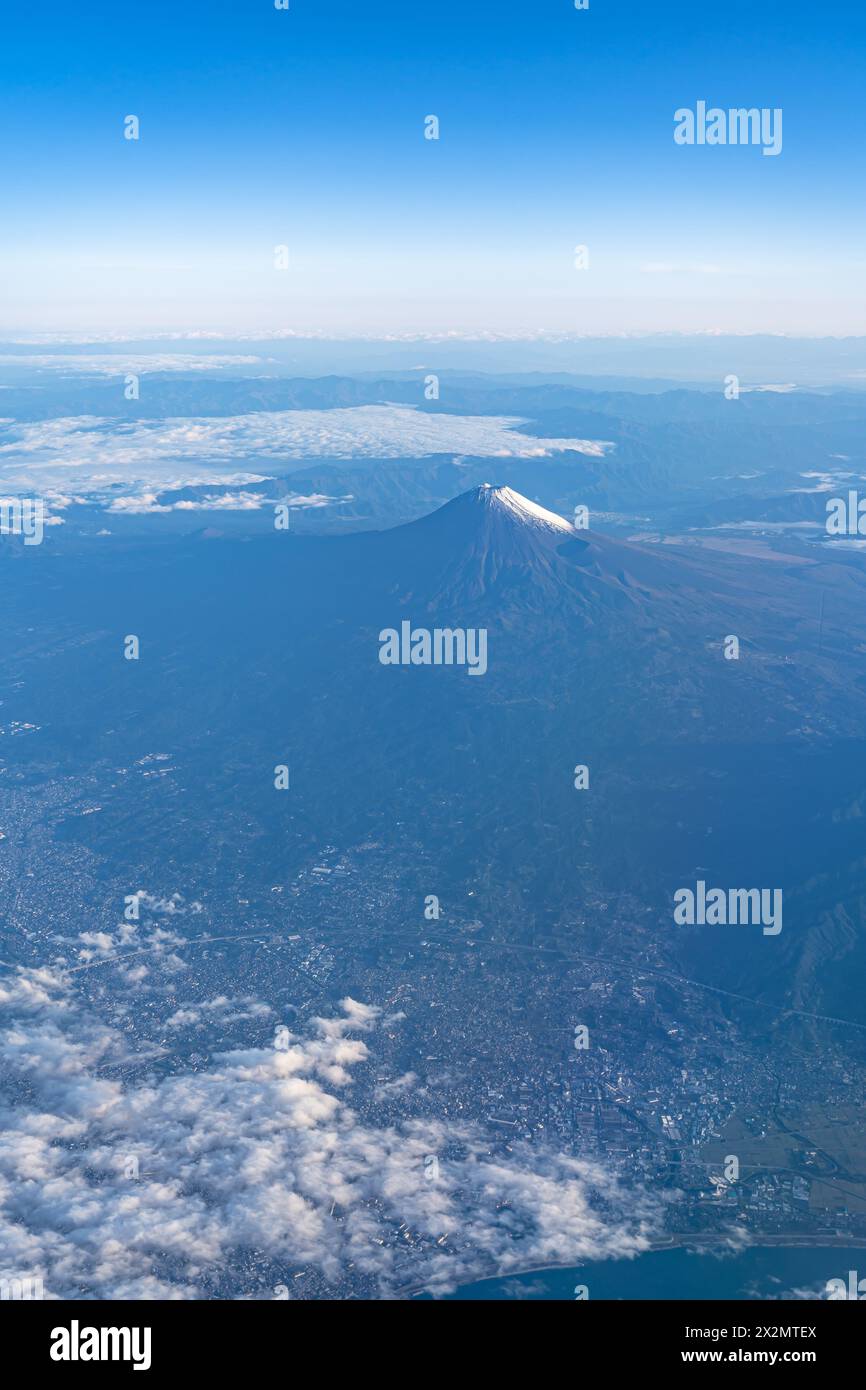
(488,538)
(515,505)
(494,520)
(494,543)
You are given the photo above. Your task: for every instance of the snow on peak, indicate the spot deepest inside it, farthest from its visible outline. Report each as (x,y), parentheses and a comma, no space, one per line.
(506,500)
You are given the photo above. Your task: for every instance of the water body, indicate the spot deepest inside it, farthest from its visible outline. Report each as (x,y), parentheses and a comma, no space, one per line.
(765,1273)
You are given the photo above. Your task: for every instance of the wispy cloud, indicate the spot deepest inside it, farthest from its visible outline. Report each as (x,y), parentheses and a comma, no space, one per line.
(148,503)
(139,364)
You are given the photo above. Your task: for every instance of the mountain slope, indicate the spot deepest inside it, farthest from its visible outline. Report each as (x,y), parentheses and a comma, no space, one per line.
(603,653)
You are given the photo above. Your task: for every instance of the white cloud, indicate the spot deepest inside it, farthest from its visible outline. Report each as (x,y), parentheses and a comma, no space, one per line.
(148,504)
(138,364)
(122,1190)
(139,931)
(389,1090)
(222,1009)
(94,454)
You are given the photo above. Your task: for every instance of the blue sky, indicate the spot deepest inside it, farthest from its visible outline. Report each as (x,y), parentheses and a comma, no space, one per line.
(305,128)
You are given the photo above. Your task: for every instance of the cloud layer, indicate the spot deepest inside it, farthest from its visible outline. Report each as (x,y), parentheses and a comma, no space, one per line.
(161,1189)
(87,455)
(116,364)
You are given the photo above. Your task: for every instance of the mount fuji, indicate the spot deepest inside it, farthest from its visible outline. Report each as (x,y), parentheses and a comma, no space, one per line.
(494,547)
(600,652)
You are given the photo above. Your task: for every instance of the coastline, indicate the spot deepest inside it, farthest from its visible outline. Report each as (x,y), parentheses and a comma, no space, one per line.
(681,1241)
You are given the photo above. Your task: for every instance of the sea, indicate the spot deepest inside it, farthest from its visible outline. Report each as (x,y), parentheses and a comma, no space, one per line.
(758,1272)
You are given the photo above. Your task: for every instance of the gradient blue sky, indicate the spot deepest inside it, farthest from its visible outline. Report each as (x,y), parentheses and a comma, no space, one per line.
(261,127)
